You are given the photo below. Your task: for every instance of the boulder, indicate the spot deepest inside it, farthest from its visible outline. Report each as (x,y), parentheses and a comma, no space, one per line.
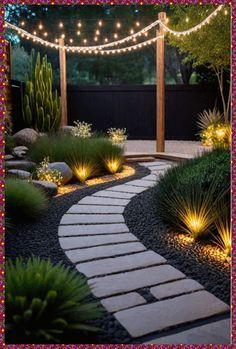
(9,157)
(64,169)
(66,129)
(19,174)
(49,188)
(20,165)
(25,137)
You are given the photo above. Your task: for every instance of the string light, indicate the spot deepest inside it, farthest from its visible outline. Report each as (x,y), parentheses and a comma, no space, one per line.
(131,31)
(187,19)
(45,34)
(56,40)
(102,49)
(118,25)
(35,33)
(61,25)
(97,32)
(225,12)
(78,32)
(137,24)
(71,41)
(63,36)
(79,25)
(100,23)
(95,39)
(22,23)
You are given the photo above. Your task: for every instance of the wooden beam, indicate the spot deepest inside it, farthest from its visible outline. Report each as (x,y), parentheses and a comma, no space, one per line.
(160,86)
(63,82)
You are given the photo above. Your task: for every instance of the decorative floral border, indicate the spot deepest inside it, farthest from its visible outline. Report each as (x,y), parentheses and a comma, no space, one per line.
(2,200)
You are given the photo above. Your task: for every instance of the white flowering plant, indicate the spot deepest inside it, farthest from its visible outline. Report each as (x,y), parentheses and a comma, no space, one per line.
(117,135)
(44,173)
(82,129)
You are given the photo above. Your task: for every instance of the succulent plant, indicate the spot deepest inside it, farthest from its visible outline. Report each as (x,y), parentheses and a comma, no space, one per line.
(46,302)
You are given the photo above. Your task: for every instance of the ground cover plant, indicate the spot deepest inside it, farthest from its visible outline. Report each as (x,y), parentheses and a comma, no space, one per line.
(46,302)
(23,199)
(189,196)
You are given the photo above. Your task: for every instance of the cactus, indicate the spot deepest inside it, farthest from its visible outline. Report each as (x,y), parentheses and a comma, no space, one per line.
(41,107)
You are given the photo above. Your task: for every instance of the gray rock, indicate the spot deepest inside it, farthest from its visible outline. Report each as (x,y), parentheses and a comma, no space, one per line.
(94,229)
(19,154)
(21,148)
(70,219)
(49,188)
(172,312)
(19,174)
(20,165)
(9,157)
(96,200)
(95,209)
(26,137)
(64,169)
(66,129)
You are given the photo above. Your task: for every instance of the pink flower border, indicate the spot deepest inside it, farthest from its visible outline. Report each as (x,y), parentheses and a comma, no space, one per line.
(2,200)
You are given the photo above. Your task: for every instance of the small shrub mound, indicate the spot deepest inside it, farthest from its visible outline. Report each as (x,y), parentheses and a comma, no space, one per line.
(88,157)
(23,199)
(187,197)
(45,303)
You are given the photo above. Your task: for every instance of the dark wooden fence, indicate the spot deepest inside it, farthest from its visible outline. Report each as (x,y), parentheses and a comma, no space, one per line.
(134,107)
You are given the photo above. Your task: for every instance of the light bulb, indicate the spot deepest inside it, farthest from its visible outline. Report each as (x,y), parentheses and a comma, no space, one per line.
(56,40)
(79,25)
(85,41)
(35,33)
(106,40)
(97,32)
(118,25)
(63,36)
(45,34)
(40,26)
(78,32)
(225,12)
(187,19)
(137,24)
(22,23)
(131,31)
(95,39)
(61,25)
(100,23)
(71,41)
(115,36)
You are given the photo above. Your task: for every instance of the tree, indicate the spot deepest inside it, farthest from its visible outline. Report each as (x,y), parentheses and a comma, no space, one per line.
(209,46)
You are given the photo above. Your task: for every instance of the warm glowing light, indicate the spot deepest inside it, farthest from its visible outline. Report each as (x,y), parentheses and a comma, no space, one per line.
(85,41)
(56,41)
(83,171)
(115,35)
(187,19)
(79,25)
(194,223)
(118,25)
(45,34)
(78,32)
(137,24)
(113,165)
(95,39)
(61,25)
(131,31)
(105,40)
(100,23)
(224,237)
(63,36)
(22,23)
(97,32)
(35,33)
(225,12)
(40,26)
(71,41)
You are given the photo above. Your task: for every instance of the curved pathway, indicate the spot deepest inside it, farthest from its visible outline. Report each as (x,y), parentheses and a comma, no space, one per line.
(94,236)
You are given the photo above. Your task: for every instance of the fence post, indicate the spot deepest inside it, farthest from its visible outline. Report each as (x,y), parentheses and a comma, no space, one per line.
(160,86)
(63,83)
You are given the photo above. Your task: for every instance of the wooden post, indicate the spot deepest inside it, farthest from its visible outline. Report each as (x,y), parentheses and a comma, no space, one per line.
(63,83)
(160,86)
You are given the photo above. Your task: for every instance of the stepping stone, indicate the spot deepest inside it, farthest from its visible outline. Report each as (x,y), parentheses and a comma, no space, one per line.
(175,288)
(141,183)
(124,301)
(155,163)
(172,312)
(95,209)
(119,264)
(133,280)
(95,229)
(87,254)
(89,241)
(92,218)
(159,166)
(214,333)
(125,188)
(152,177)
(91,200)
(114,194)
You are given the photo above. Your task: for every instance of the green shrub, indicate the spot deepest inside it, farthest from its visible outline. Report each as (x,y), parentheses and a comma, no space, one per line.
(195,187)
(87,157)
(9,144)
(45,302)
(23,199)
(44,173)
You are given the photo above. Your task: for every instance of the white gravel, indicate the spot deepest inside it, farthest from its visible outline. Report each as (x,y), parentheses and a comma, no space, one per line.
(181,147)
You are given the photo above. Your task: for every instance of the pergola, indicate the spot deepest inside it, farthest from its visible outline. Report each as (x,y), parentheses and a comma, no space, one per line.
(104,49)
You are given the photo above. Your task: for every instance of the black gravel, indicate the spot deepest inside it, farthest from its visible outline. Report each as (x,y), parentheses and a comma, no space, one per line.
(142,220)
(40,238)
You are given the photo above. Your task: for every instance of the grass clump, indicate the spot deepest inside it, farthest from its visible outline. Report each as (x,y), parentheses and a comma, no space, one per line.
(46,303)
(23,199)
(187,197)
(87,157)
